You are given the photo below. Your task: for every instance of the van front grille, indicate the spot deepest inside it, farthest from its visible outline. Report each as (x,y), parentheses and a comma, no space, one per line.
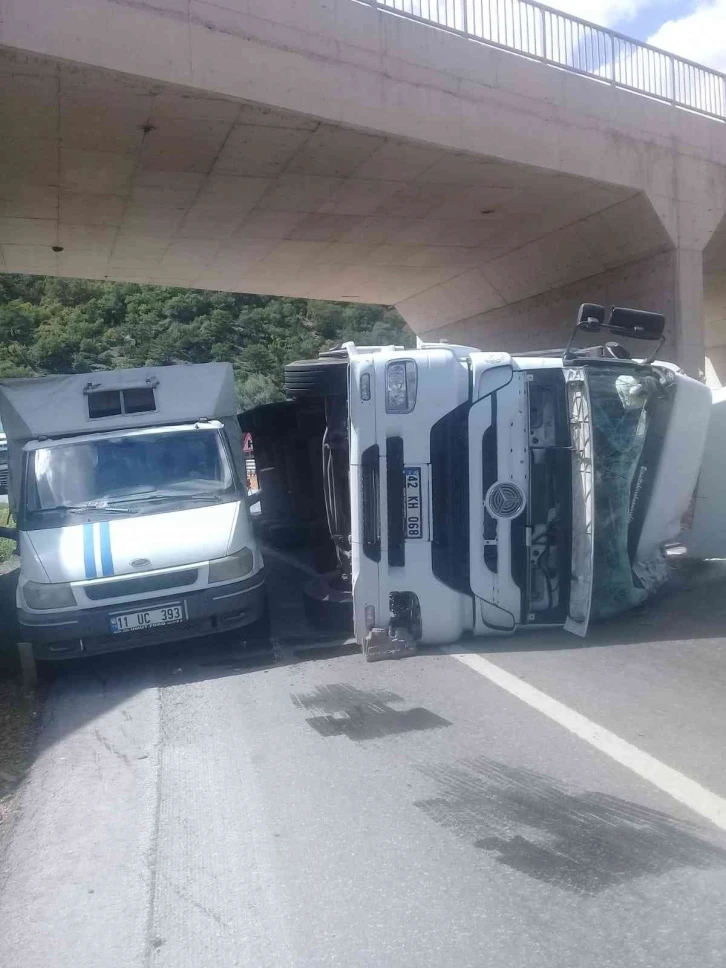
(140,585)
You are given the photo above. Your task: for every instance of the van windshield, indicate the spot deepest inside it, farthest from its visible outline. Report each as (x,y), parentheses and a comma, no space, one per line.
(144,473)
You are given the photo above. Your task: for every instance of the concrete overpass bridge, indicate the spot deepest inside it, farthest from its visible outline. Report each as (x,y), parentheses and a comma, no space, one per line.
(485,173)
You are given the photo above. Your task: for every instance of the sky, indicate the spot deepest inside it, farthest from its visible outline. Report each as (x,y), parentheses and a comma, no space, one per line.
(694,29)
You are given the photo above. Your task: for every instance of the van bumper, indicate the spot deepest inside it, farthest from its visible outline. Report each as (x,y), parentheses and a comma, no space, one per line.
(220,608)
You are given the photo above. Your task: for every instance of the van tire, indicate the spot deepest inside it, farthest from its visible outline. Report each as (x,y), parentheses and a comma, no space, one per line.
(327,608)
(259,630)
(48,671)
(326,377)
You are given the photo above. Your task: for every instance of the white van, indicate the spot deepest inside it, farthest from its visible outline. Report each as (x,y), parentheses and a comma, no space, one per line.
(475,493)
(128,489)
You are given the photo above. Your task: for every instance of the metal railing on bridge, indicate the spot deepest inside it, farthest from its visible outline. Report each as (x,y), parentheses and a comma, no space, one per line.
(576,45)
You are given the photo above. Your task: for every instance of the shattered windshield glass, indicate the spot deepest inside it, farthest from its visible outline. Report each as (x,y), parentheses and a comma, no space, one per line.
(620,420)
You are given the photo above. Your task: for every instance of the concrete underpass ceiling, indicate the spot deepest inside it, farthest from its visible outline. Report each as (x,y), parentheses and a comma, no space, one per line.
(109,176)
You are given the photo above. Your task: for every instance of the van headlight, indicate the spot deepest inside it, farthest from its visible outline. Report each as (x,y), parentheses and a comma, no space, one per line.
(40,597)
(401,386)
(233,566)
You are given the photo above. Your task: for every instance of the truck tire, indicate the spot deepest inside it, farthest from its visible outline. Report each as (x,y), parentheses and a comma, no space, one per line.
(326,377)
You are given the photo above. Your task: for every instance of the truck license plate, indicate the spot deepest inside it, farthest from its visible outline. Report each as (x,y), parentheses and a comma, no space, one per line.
(412,498)
(169,614)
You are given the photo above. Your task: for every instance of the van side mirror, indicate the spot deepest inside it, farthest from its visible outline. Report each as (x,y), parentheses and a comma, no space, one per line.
(10,533)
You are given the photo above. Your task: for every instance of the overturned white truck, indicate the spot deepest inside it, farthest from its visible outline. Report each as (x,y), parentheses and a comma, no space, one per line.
(475,493)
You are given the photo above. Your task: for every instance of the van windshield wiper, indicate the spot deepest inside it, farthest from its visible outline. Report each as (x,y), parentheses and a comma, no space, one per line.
(81,508)
(156,498)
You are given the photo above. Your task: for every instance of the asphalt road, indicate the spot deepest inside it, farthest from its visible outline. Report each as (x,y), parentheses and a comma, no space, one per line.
(199,807)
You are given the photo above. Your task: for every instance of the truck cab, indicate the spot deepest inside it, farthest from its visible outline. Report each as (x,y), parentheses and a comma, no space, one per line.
(131,507)
(481,493)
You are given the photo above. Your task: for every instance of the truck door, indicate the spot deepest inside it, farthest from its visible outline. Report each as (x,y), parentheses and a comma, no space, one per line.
(583,501)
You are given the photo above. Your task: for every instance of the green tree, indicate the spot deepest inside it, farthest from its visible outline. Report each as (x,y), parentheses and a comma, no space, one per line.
(56,325)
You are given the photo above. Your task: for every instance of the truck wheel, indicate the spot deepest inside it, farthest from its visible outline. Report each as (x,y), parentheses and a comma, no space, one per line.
(326,377)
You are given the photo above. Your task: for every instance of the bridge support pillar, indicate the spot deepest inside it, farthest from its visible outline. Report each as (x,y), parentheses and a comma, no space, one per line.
(670,282)
(646,252)
(688,311)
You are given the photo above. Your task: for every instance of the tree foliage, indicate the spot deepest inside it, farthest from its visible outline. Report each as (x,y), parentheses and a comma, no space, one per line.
(55,325)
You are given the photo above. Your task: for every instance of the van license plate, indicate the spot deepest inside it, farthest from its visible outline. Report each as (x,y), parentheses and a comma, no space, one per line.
(169,614)
(412,497)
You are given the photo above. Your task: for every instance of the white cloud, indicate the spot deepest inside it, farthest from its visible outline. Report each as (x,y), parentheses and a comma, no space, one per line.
(700,37)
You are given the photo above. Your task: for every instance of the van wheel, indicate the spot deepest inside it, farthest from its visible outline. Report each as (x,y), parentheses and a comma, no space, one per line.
(259,630)
(328,607)
(47,671)
(326,377)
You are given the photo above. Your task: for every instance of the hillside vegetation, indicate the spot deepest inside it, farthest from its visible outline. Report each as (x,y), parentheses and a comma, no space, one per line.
(54,325)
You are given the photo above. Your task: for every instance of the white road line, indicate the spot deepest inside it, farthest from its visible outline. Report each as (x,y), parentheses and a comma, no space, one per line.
(675,784)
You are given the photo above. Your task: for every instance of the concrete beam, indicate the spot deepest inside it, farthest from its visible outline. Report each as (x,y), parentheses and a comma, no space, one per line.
(323,148)
(545,320)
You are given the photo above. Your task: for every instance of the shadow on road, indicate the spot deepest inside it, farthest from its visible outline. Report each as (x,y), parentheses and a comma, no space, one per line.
(693,607)
(84,689)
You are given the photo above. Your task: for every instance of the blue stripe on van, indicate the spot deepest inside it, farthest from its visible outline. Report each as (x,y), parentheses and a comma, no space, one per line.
(106,556)
(89,559)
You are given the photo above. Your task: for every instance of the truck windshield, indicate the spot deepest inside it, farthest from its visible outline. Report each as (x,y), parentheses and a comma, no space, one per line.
(622,404)
(143,472)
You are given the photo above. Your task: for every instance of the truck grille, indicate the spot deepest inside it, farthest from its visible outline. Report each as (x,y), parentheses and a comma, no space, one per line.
(396,510)
(450,499)
(102,590)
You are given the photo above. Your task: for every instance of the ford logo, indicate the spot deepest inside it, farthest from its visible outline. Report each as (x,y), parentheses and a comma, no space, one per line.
(140,563)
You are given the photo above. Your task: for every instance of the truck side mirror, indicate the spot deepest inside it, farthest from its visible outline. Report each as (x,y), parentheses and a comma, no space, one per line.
(636,323)
(11,533)
(633,323)
(590,317)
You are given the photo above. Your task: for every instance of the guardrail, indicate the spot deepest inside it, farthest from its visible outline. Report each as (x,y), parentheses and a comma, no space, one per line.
(575,45)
